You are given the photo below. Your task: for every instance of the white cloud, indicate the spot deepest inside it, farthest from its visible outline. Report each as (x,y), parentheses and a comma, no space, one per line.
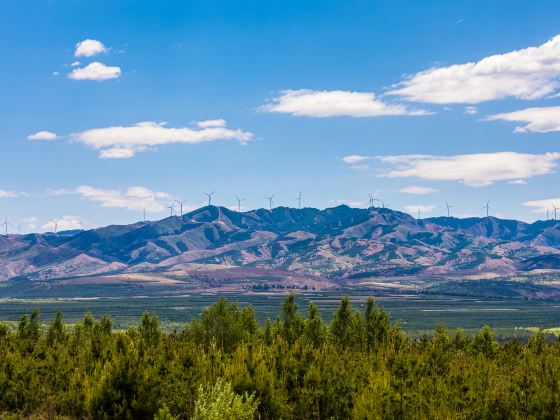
(529,73)
(471,110)
(335,103)
(75,64)
(539,120)
(43,135)
(413,208)
(541,206)
(56,73)
(212,123)
(63,223)
(134,198)
(89,48)
(413,189)
(124,142)
(475,170)
(95,71)
(518,182)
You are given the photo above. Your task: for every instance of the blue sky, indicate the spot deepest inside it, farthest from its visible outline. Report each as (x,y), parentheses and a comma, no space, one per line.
(415,102)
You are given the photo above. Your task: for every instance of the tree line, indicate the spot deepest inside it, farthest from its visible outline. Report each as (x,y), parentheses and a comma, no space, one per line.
(223,365)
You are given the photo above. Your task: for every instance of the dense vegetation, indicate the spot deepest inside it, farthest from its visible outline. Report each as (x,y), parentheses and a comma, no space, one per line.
(225,366)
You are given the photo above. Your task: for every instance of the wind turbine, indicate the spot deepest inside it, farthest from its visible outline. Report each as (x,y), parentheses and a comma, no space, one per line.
(171,208)
(6,224)
(180,206)
(487,207)
(547,214)
(209,195)
(370,201)
(19,229)
(270,201)
(144,215)
(381,201)
(55,223)
(447,207)
(555,209)
(298,199)
(239,200)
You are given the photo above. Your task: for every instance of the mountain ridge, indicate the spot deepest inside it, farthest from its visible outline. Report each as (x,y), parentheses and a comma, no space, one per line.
(337,242)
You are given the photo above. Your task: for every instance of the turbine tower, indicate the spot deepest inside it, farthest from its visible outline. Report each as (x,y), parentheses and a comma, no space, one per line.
(488,208)
(143,215)
(448,207)
(171,209)
(55,224)
(239,200)
(180,206)
(555,209)
(19,229)
(270,201)
(371,200)
(298,199)
(209,195)
(6,224)
(381,201)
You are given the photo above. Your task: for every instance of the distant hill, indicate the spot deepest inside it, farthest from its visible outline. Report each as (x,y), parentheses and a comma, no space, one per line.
(336,243)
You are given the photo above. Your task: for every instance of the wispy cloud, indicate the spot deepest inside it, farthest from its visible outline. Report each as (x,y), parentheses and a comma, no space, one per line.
(416,190)
(11,194)
(211,123)
(475,170)
(539,120)
(89,48)
(30,222)
(95,71)
(335,103)
(530,73)
(125,141)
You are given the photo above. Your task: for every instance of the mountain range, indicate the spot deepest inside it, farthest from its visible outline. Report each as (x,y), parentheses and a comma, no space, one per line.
(334,243)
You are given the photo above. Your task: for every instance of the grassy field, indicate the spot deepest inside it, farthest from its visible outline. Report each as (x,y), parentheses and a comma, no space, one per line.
(418,313)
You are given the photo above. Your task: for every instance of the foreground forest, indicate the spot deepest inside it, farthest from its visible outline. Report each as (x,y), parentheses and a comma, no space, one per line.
(225,366)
